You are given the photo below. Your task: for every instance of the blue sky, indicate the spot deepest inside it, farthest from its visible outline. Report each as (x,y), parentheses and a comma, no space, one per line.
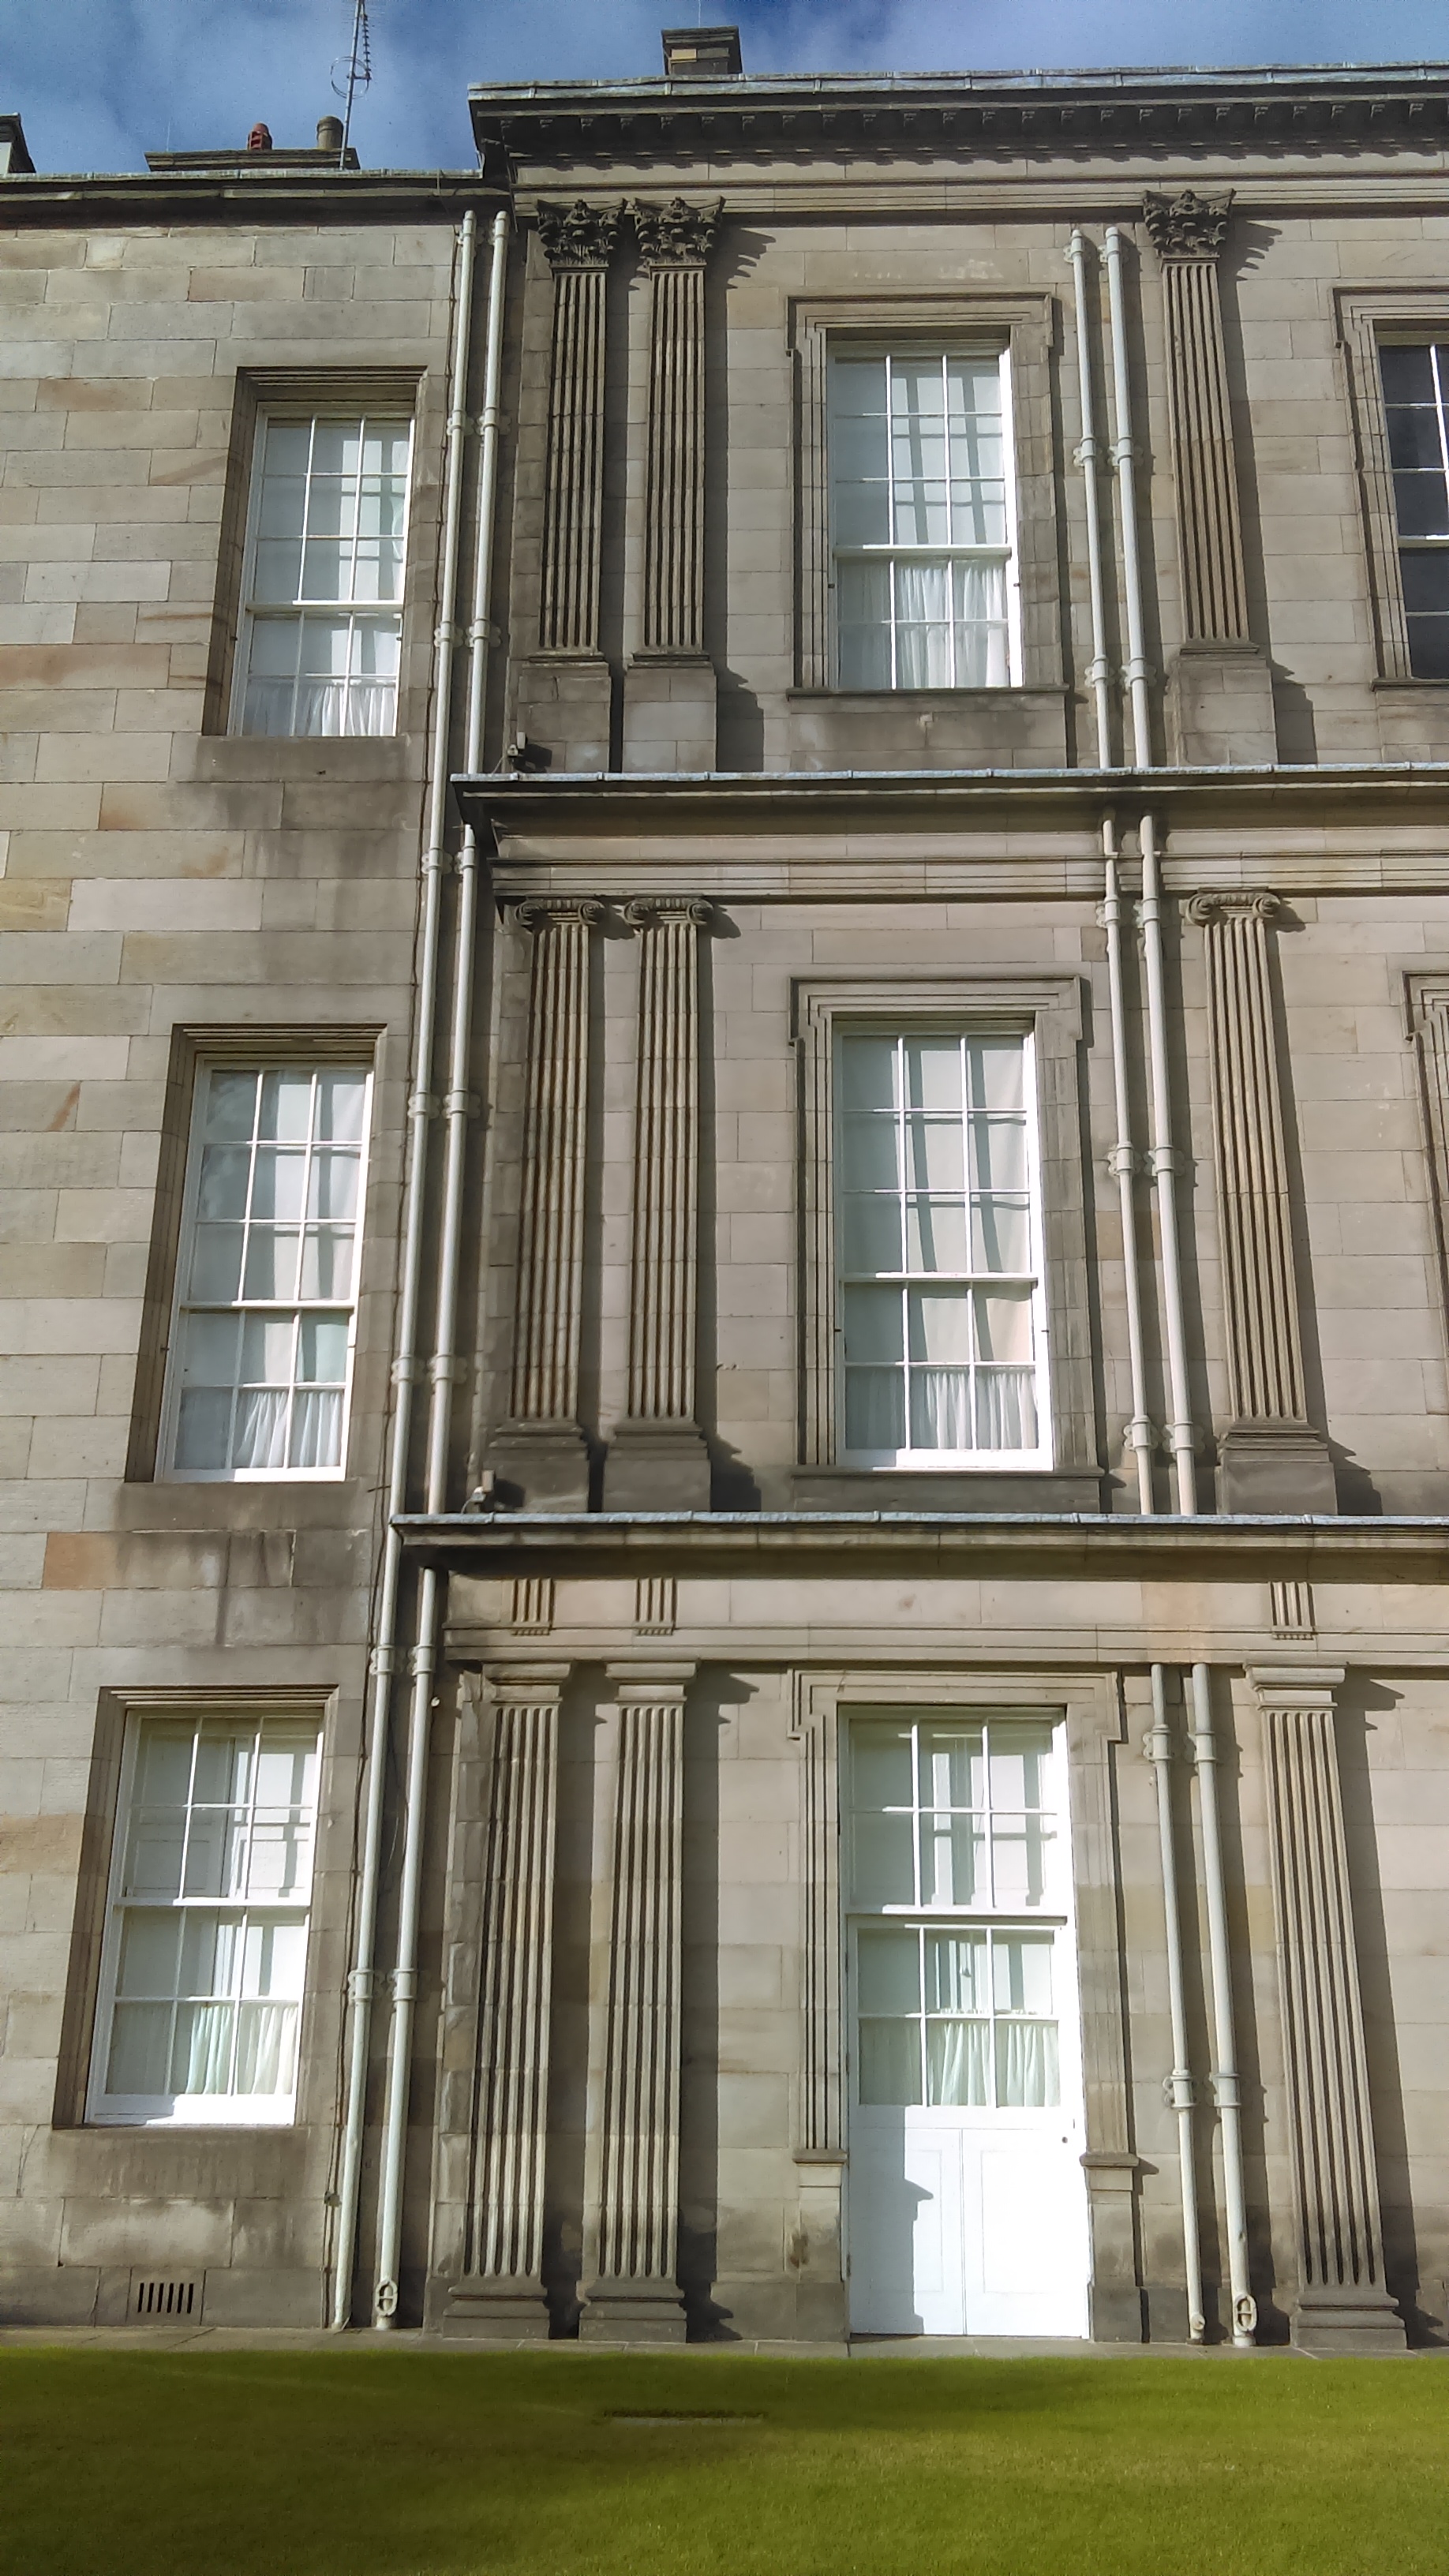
(101,82)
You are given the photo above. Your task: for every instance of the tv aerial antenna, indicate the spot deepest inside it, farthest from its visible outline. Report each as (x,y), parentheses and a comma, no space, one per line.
(356,75)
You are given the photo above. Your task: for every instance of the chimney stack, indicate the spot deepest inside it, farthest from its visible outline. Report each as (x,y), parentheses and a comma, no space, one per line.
(260,139)
(702,53)
(329,133)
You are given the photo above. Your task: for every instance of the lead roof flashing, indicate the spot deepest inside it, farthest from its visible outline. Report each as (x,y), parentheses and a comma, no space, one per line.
(991,114)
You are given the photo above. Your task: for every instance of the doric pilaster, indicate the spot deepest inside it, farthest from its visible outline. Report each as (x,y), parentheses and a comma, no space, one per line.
(542,1448)
(670,710)
(634,2292)
(658,1459)
(501,2294)
(1271,1457)
(1220,692)
(578,243)
(1342,2302)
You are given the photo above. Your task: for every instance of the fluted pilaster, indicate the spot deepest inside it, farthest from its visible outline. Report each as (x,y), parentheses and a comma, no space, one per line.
(1343,2304)
(500,2292)
(638,2185)
(542,1446)
(578,242)
(670,710)
(1220,695)
(659,1457)
(1272,1458)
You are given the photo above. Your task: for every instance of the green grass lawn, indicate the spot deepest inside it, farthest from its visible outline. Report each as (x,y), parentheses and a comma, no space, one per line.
(370,2463)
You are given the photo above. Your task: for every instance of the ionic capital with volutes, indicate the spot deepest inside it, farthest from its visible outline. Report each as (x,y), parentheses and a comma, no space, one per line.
(548,912)
(1233,904)
(645,911)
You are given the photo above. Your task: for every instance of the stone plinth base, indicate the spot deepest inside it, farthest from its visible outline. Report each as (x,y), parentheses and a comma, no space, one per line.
(657,1467)
(633,2312)
(670,719)
(482,2309)
(1330,2321)
(564,702)
(541,1466)
(1220,708)
(1275,1467)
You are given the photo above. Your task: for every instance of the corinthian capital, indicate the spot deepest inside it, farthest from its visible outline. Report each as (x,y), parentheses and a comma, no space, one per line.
(1187,226)
(579,236)
(676,235)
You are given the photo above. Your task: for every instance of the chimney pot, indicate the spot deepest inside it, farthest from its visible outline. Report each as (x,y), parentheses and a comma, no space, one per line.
(701,53)
(329,133)
(260,139)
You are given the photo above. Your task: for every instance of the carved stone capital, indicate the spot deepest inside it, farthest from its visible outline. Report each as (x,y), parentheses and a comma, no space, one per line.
(1187,226)
(579,236)
(1248,904)
(675,235)
(646,909)
(544,912)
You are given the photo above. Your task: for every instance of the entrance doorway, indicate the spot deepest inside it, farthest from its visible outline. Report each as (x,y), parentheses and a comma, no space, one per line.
(967,2206)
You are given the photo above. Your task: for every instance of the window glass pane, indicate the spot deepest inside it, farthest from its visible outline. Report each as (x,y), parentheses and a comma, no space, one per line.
(871,1235)
(957,2064)
(150,1945)
(1003,1324)
(1027,2073)
(1000,1235)
(883,1868)
(952,1766)
(940,1414)
(936,1235)
(998,1153)
(875,1410)
(868,1069)
(956,1972)
(1408,375)
(953,1859)
(881,1766)
(140,2049)
(1429,647)
(1021,1967)
(872,1324)
(935,1155)
(933,1074)
(871,1153)
(996,1071)
(890,2062)
(940,1324)
(1005,1409)
(890,1972)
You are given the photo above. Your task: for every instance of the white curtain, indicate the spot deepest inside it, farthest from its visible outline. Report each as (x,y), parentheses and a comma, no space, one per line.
(316,1427)
(940,1408)
(1026,2065)
(1005,1409)
(201,2051)
(261,1427)
(981,639)
(923,626)
(264,2048)
(956,2064)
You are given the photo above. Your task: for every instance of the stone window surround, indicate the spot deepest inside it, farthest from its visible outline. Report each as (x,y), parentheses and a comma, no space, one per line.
(1050,1006)
(1022,323)
(325,389)
(193,1047)
(1091,1706)
(1367,317)
(116,1711)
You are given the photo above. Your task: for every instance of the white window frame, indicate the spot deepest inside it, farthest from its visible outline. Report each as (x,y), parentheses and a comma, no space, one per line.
(1055,1917)
(251,615)
(929,1461)
(1436,344)
(195,2110)
(892,553)
(182,1305)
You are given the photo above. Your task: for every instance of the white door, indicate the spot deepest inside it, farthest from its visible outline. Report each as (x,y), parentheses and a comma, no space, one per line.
(967,2206)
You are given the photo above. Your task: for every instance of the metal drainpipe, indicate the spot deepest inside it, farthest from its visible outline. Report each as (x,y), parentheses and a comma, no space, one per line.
(1165,1163)
(1225,2074)
(1139,1429)
(444,1367)
(1124,458)
(1179,2085)
(382,1661)
(1097,670)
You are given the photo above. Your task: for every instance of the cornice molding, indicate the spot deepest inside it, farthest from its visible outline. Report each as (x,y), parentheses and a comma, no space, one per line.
(1145,116)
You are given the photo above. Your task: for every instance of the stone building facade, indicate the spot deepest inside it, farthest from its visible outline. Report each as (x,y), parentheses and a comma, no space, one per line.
(729,1446)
